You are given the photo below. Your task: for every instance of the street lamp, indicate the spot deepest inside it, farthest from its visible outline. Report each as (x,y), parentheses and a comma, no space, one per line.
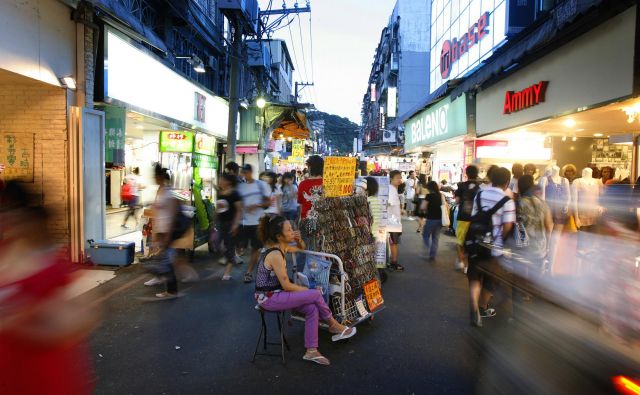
(261,102)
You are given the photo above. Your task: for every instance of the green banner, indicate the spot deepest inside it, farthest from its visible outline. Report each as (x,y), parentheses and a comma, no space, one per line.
(205,161)
(441,121)
(176,141)
(114,139)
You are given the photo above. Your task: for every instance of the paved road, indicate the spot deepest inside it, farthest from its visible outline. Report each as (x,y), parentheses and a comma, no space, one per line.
(421,343)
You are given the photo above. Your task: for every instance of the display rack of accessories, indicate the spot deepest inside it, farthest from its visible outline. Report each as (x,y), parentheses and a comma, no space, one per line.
(342,227)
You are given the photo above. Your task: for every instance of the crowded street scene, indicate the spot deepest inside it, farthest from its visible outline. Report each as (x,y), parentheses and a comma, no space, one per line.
(329,196)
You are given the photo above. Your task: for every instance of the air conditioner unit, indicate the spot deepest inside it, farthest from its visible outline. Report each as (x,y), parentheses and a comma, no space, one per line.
(213,62)
(389,136)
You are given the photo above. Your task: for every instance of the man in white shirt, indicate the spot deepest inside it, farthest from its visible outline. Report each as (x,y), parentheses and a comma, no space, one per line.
(411,193)
(255,199)
(394,224)
(481,287)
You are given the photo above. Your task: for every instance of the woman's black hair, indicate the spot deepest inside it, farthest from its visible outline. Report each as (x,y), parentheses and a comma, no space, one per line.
(270,227)
(273,180)
(372,186)
(231,179)
(401,188)
(525,183)
(161,172)
(432,186)
(287,176)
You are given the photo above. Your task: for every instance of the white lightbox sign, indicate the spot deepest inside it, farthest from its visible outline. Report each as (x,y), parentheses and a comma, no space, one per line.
(463,34)
(136,78)
(392,102)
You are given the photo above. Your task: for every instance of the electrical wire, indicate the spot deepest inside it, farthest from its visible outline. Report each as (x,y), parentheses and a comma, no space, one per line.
(304,60)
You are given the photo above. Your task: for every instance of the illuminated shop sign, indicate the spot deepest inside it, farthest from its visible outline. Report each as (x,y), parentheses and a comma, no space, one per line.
(463,35)
(452,50)
(442,121)
(528,97)
(175,141)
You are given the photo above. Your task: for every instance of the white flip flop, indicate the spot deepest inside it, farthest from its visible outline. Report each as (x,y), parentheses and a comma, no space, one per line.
(344,335)
(319,359)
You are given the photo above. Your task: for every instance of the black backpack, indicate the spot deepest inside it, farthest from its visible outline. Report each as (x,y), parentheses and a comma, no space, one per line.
(467,198)
(480,235)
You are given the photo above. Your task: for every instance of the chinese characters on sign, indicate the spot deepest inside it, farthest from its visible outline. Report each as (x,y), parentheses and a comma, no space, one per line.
(16,156)
(114,123)
(297,151)
(200,103)
(175,141)
(339,175)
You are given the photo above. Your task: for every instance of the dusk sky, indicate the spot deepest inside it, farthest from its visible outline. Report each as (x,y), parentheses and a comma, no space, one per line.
(345,36)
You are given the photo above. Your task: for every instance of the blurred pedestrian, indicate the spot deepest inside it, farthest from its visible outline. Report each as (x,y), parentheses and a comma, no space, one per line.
(534,216)
(465,197)
(229,218)
(290,199)
(255,199)
(275,193)
(133,181)
(421,195)
(411,193)
(394,222)
(43,328)
(518,171)
(432,206)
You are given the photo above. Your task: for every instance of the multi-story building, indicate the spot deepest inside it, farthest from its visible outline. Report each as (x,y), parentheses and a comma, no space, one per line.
(399,77)
(272,69)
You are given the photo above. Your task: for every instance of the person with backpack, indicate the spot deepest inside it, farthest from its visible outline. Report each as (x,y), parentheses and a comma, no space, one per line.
(492,219)
(465,196)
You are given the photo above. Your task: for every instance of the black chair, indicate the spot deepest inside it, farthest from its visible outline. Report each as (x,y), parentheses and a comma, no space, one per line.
(280,317)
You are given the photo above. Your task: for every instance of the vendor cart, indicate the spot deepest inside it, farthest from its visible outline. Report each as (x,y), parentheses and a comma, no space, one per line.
(345,310)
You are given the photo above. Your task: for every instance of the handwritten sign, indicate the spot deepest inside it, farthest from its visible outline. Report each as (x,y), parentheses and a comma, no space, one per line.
(16,156)
(373,295)
(297,151)
(339,176)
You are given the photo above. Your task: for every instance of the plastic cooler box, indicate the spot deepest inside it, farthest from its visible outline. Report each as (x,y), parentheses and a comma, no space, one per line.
(111,253)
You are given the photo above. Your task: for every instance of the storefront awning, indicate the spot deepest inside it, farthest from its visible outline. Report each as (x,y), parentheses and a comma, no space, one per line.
(291,123)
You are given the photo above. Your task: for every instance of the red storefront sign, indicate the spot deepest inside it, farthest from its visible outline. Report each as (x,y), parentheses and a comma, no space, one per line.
(528,97)
(454,49)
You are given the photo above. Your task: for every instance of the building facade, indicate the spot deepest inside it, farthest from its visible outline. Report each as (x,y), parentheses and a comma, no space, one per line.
(399,77)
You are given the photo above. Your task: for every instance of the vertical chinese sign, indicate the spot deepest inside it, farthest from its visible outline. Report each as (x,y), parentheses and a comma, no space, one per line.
(297,151)
(16,156)
(339,176)
(114,123)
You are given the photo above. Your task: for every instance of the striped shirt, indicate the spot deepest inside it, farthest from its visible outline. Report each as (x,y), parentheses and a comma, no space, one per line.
(489,197)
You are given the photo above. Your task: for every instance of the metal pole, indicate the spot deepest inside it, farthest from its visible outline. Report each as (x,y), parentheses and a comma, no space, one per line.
(234,89)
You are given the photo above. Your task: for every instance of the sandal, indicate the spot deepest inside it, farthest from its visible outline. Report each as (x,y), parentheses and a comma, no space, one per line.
(346,333)
(226,278)
(317,358)
(248,277)
(166,295)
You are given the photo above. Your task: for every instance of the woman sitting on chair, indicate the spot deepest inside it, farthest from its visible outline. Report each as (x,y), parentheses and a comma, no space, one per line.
(275,292)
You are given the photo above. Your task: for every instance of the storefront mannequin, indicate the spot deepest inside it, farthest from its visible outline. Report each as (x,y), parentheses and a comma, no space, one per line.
(555,190)
(586,193)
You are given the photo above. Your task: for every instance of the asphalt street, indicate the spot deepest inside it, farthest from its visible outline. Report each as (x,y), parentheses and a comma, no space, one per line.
(203,342)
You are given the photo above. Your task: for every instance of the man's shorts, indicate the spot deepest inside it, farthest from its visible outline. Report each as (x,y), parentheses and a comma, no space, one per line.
(394,237)
(461,231)
(250,237)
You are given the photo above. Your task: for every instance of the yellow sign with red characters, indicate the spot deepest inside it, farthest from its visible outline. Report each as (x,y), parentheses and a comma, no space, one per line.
(339,176)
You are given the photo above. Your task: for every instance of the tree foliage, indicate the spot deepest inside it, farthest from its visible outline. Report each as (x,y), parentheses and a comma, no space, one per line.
(339,130)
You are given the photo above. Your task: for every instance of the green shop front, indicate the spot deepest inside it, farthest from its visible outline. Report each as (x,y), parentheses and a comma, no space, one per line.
(192,161)
(438,135)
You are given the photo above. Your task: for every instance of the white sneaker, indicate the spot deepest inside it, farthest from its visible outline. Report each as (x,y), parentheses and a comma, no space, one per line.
(238,260)
(458,265)
(465,270)
(411,218)
(154,281)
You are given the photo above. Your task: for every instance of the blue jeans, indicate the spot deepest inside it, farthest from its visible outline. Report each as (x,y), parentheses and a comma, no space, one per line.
(431,234)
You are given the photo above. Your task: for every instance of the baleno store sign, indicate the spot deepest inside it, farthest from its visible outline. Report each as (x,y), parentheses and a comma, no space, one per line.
(442,121)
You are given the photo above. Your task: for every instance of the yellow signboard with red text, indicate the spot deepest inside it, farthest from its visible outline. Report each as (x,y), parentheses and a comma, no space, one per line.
(339,176)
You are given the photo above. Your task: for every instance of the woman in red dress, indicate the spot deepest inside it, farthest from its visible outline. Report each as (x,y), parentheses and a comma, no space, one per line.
(42,329)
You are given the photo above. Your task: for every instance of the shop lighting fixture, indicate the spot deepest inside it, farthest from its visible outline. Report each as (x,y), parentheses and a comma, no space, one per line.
(244,104)
(261,102)
(564,138)
(598,135)
(633,112)
(68,82)
(195,61)
(289,138)
(574,138)
(139,127)
(569,123)
(199,67)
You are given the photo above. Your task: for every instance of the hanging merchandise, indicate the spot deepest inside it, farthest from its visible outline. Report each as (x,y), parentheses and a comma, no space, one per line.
(343,228)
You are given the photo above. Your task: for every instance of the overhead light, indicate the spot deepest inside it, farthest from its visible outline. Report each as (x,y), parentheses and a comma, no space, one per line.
(579,130)
(199,68)
(68,82)
(564,138)
(261,102)
(574,138)
(633,112)
(569,123)
(139,127)
(598,135)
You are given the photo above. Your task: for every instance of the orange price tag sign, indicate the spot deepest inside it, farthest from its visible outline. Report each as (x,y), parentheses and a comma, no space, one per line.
(373,294)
